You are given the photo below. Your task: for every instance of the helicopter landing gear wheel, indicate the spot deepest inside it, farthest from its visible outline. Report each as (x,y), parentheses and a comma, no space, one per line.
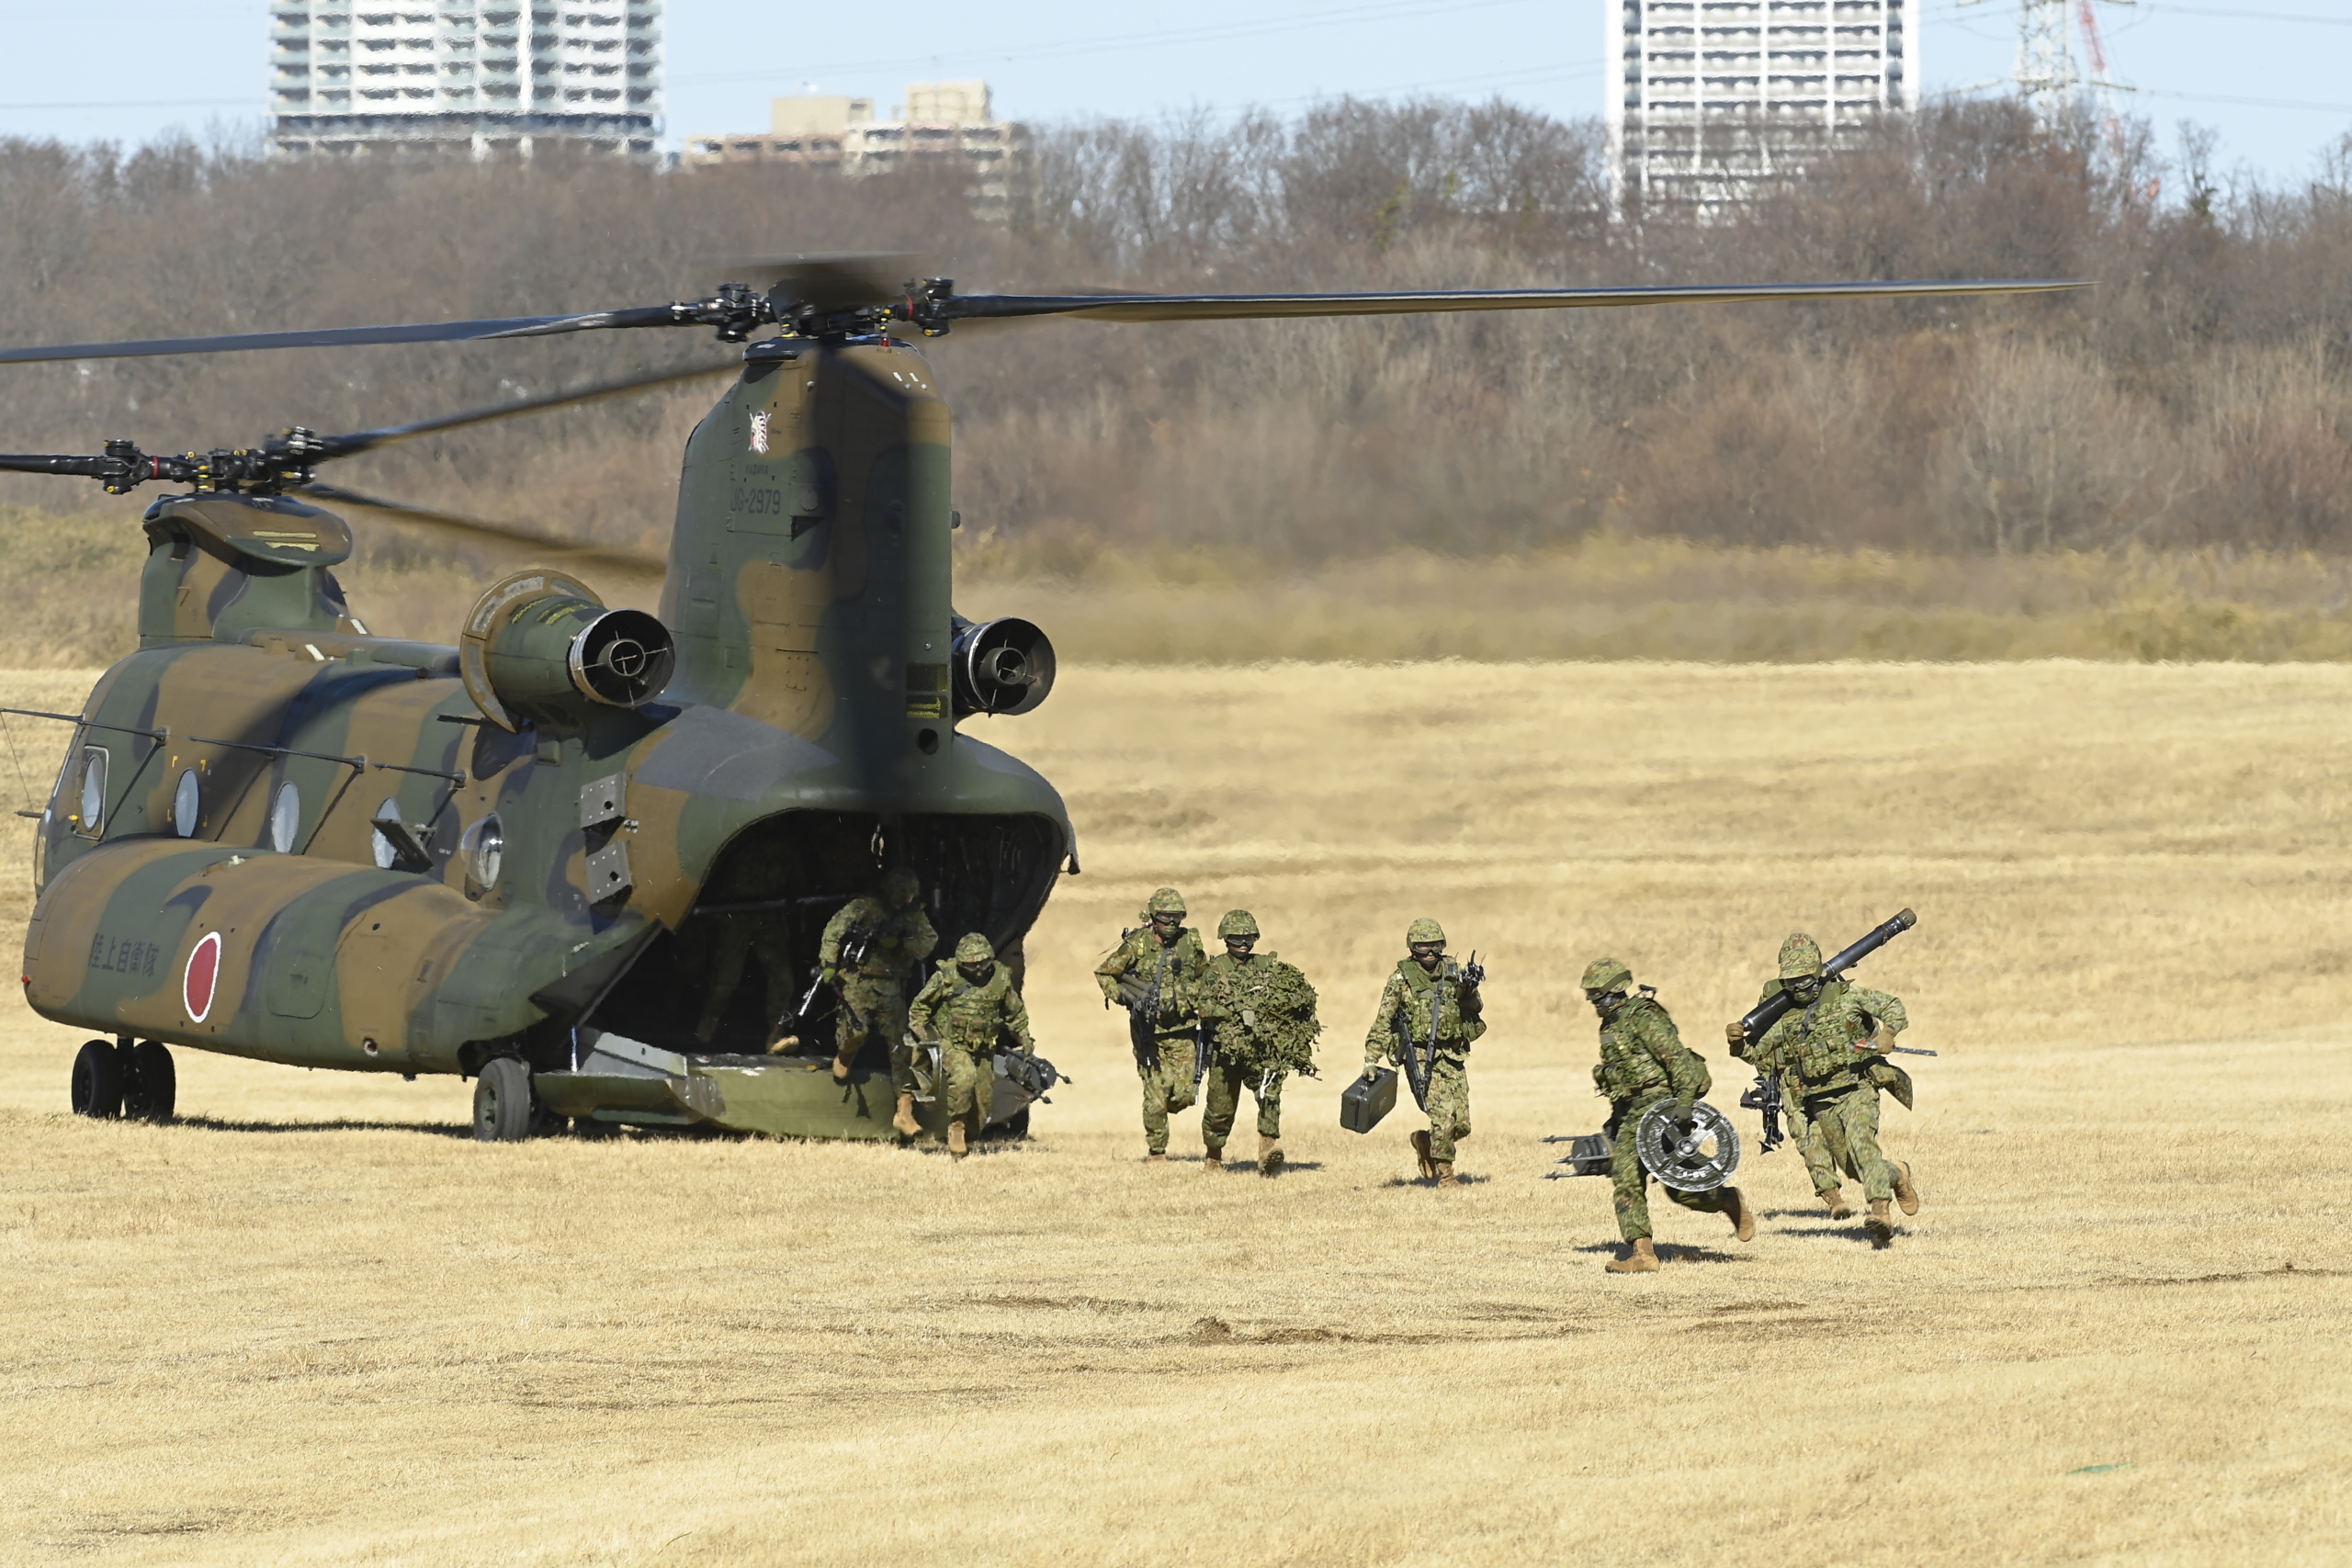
(97,1080)
(150,1084)
(503,1101)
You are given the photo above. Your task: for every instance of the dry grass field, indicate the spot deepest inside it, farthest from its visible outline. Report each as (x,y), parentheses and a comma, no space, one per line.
(313,1323)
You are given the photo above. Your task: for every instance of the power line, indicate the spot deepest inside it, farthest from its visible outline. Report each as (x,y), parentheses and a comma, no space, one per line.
(1387,10)
(141,104)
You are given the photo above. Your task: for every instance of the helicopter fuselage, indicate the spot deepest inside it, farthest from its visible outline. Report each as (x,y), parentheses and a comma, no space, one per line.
(302,843)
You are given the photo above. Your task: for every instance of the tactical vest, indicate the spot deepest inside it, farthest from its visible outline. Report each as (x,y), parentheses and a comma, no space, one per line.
(1823,1040)
(1628,1070)
(1439,993)
(1177,967)
(970,1016)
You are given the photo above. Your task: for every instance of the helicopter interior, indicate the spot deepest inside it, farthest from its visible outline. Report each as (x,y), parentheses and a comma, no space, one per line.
(745,954)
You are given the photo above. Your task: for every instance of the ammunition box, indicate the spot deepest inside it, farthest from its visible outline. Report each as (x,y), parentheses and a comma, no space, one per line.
(1363,1103)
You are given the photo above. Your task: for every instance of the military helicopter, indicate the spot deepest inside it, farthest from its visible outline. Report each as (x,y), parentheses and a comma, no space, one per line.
(276,835)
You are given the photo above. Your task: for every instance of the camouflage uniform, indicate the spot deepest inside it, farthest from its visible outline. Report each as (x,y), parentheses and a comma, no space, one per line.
(965,1008)
(1823,1055)
(1644,1064)
(1143,967)
(874,998)
(1437,1003)
(1259,1016)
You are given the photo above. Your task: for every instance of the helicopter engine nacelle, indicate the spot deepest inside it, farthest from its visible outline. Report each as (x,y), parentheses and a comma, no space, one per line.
(540,644)
(1001,667)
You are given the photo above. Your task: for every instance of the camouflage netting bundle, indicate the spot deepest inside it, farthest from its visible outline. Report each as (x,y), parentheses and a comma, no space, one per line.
(1262,1016)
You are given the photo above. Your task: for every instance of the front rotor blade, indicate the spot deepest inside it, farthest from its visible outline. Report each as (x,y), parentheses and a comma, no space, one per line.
(569,552)
(370,440)
(1254,307)
(332,337)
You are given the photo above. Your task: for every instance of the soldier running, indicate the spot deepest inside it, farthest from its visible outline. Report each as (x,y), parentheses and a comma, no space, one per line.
(1430,1008)
(895,934)
(964,1009)
(1644,1064)
(1833,1052)
(1259,1017)
(1155,973)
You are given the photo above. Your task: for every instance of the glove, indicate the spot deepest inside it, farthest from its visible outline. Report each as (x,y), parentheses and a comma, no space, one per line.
(1682,1111)
(1734,1036)
(1372,1069)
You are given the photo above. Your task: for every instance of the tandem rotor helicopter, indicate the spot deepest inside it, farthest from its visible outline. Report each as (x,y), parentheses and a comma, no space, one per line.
(277,836)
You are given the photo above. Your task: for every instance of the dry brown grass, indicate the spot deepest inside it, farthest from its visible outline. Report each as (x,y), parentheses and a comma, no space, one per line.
(314,1324)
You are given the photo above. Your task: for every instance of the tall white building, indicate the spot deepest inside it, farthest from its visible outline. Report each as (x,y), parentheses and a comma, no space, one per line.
(1708,97)
(355,75)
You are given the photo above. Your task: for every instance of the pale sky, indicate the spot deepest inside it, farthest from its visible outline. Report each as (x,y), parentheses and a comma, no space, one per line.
(2268,76)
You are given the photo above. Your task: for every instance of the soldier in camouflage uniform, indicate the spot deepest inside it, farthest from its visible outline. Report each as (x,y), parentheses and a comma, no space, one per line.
(1156,974)
(1259,1016)
(873,995)
(965,1009)
(1644,1064)
(1429,1000)
(1830,1050)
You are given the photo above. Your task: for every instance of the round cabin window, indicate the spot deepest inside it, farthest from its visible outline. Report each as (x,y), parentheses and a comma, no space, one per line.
(187,805)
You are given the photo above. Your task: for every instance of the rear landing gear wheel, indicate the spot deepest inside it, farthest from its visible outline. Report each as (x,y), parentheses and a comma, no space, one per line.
(503,1101)
(97,1080)
(151,1086)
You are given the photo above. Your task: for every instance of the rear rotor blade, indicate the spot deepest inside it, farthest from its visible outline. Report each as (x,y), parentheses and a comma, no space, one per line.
(569,552)
(1253,306)
(370,440)
(332,337)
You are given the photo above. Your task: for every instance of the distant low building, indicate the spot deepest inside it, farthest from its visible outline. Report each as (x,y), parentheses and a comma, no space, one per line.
(355,77)
(942,121)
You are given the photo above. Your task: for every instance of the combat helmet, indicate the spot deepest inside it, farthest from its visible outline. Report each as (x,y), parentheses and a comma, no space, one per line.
(1424,929)
(973,948)
(900,882)
(1165,901)
(1606,975)
(1800,957)
(1238,922)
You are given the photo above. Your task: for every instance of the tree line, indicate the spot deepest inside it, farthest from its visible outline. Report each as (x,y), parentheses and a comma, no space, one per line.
(2198,396)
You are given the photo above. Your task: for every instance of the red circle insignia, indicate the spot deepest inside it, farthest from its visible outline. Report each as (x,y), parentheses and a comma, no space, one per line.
(203,971)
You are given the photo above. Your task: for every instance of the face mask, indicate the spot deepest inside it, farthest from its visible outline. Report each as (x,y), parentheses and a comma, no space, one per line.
(1805,988)
(1605,1002)
(977,974)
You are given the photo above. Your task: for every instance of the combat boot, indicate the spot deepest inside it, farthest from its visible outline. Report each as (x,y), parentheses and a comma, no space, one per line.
(1445,1174)
(1421,1141)
(1835,1198)
(1743,1217)
(1641,1257)
(1212,1161)
(903,1119)
(1269,1154)
(1905,1192)
(840,1069)
(1881,1224)
(1157,1157)
(955,1144)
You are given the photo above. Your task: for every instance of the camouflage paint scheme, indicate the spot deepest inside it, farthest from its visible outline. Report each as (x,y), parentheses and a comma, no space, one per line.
(807,591)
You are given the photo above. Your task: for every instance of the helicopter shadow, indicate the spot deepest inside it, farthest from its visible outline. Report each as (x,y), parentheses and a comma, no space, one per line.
(339,1124)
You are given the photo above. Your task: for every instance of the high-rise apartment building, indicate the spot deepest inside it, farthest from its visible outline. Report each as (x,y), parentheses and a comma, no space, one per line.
(360,75)
(1709,98)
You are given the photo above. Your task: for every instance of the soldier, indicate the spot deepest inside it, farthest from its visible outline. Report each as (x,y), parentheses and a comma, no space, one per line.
(964,1009)
(1832,1054)
(1258,1015)
(1430,1006)
(1155,973)
(897,936)
(1644,1064)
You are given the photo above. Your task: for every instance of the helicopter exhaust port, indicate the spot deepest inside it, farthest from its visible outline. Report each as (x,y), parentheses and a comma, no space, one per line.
(540,644)
(1002,667)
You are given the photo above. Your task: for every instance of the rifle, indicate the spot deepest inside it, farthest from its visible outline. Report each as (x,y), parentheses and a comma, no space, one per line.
(1766,1096)
(1773,1009)
(856,942)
